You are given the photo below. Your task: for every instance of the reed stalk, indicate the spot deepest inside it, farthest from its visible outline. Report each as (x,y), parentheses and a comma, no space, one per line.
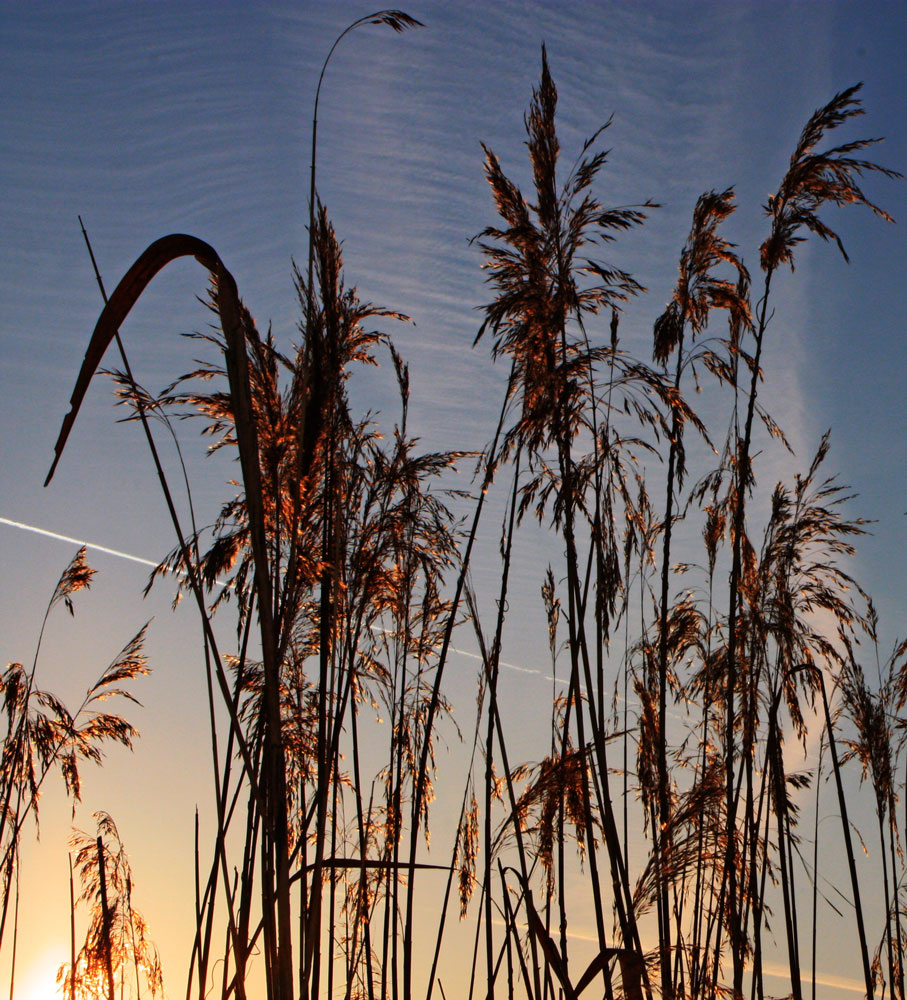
(337,547)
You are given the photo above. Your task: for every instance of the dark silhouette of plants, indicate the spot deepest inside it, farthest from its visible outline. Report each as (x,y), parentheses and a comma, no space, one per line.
(117,957)
(43,735)
(348,568)
(698,292)
(814,179)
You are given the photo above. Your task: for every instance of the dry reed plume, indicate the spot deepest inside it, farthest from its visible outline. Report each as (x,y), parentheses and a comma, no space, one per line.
(349,573)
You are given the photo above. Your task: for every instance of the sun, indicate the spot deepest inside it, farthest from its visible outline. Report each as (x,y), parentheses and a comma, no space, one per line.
(38,981)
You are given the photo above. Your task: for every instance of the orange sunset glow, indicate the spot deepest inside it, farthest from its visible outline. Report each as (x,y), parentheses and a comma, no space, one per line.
(453,501)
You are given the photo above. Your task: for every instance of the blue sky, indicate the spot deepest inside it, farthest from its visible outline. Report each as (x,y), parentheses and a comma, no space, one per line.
(149,118)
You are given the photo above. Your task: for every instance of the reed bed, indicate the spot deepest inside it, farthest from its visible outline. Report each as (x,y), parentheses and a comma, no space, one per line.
(662,800)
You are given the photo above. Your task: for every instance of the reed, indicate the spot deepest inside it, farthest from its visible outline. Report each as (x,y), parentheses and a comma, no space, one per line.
(117,935)
(350,573)
(42,735)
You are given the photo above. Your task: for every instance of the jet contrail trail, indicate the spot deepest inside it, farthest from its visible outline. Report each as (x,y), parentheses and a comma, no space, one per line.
(90,545)
(149,562)
(76,541)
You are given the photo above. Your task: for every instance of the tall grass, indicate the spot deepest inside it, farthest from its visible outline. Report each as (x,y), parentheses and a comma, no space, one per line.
(350,573)
(42,736)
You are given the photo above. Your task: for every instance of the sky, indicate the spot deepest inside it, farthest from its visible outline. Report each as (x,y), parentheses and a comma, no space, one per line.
(151,118)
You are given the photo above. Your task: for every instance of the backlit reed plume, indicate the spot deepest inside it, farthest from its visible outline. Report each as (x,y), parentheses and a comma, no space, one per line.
(43,735)
(347,566)
(118,958)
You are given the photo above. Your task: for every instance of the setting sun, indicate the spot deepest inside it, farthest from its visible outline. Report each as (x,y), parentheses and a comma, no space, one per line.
(499,625)
(39,980)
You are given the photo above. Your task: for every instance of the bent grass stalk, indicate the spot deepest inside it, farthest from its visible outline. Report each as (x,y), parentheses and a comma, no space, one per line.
(337,538)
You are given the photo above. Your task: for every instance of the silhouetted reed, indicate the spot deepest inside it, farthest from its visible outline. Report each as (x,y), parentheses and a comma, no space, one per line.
(350,573)
(42,735)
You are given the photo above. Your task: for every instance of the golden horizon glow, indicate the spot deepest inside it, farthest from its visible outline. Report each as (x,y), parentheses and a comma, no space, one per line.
(38,978)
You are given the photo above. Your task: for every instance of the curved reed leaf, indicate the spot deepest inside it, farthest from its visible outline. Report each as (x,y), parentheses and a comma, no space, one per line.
(125,296)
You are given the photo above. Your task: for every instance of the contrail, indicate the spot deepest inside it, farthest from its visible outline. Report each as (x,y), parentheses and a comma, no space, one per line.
(822,979)
(77,541)
(90,545)
(148,562)
(502,663)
